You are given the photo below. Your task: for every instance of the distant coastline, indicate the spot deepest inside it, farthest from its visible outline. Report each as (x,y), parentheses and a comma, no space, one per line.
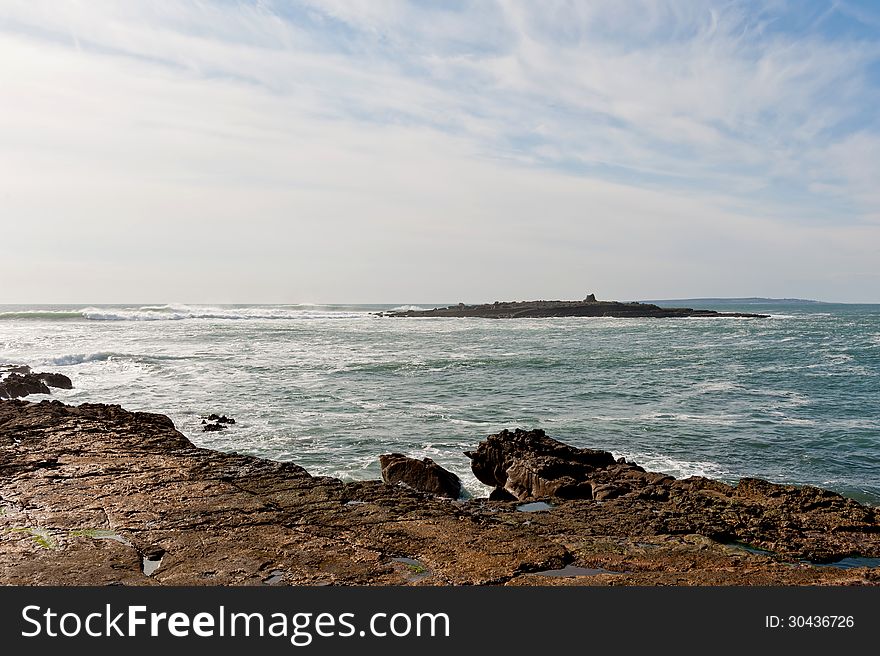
(761,300)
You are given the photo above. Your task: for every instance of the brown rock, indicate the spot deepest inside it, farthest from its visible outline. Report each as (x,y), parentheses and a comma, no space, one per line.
(22,382)
(423,475)
(528,464)
(97,495)
(17,385)
(56,380)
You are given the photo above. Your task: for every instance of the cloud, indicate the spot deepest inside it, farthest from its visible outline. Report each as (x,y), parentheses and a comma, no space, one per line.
(314,151)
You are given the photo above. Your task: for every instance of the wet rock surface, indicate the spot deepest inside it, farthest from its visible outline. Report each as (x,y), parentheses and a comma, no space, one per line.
(98,495)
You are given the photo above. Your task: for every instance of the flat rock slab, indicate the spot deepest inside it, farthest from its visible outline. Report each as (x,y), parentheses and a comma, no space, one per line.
(97,495)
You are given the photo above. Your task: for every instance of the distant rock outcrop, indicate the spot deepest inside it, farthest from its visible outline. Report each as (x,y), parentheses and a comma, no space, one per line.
(214,422)
(589,307)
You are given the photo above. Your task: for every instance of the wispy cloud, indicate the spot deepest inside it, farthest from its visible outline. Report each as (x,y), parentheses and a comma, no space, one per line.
(604,140)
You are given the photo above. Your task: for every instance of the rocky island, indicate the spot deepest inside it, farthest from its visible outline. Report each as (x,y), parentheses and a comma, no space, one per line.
(98,495)
(589,307)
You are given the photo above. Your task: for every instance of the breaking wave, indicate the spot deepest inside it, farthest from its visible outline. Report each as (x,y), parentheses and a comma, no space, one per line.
(80,358)
(182,312)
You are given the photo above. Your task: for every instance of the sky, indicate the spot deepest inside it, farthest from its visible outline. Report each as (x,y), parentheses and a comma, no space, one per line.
(380,151)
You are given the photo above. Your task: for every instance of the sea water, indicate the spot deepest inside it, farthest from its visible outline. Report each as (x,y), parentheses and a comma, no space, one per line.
(793,398)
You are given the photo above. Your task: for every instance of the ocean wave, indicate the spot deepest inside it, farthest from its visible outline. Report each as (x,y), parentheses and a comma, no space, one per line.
(302,311)
(44,315)
(183,312)
(407,308)
(80,358)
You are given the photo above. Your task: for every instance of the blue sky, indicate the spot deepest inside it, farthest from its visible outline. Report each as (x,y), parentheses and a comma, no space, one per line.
(373,151)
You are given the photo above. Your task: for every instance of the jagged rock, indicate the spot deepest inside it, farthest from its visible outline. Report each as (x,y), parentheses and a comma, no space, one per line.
(424,475)
(17,385)
(528,464)
(500,494)
(22,382)
(220,422)
(221,419)
(55,380)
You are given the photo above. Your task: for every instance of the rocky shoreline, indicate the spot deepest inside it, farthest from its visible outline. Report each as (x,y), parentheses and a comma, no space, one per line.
(97,495)
(589,307)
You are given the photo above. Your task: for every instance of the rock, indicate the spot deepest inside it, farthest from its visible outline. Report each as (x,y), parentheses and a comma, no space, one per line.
(14,369)
(500,494)
(17,385)
(22,382)
(56,380)
(89,494)
(528,464)
(221,419)
(423,475)
(220,422)
(606,491)
(589,307)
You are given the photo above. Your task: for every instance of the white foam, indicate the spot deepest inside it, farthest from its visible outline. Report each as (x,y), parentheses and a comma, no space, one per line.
(182,312)
(407,308)
(717,420)
(80,358)
(675,467)
(715,386)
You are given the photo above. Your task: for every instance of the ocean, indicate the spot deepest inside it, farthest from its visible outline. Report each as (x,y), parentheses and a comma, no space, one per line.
(794,398)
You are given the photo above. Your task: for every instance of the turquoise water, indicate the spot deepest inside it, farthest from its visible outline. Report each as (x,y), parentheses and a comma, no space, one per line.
(793,398)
